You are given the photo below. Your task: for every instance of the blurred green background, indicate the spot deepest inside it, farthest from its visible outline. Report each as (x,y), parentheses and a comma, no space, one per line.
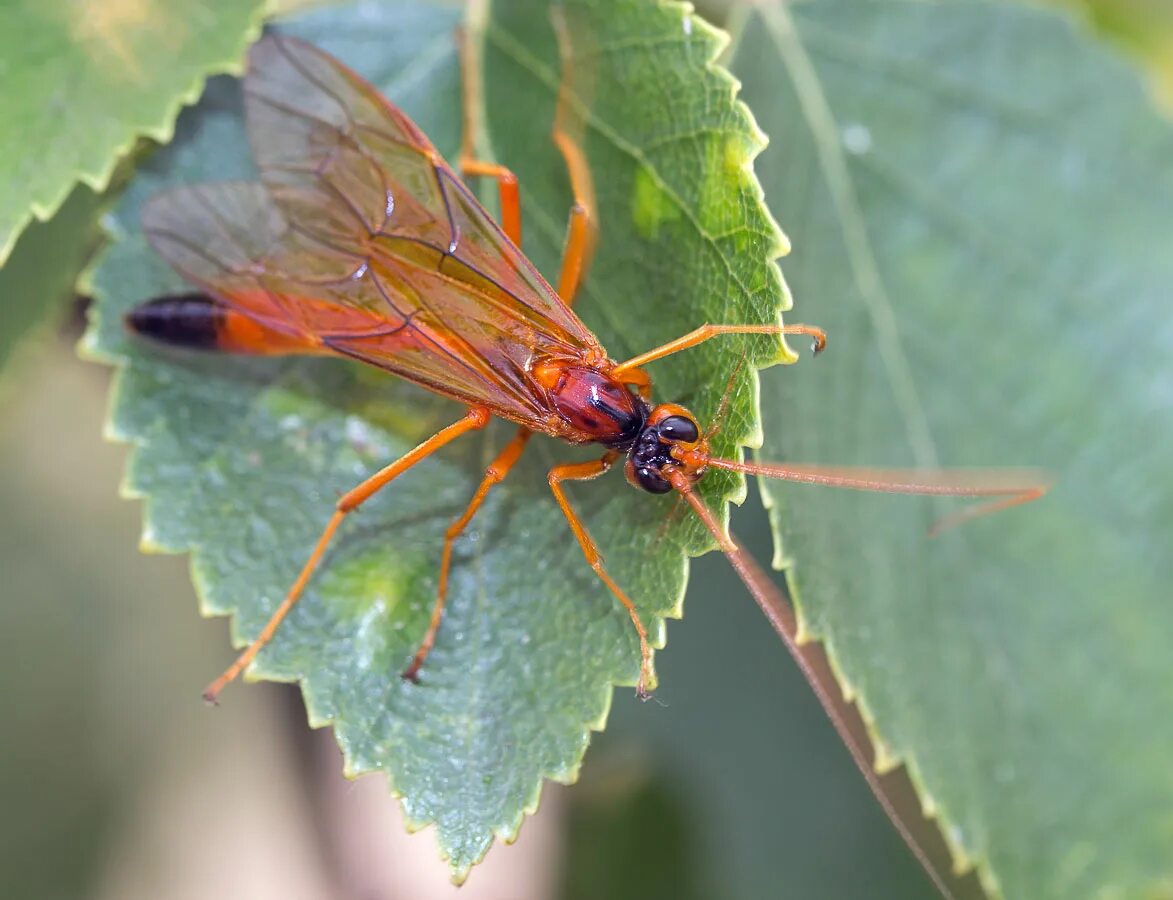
(116,781)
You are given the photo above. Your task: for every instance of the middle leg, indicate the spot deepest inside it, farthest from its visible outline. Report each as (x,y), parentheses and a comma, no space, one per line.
(494,474)
(585,472)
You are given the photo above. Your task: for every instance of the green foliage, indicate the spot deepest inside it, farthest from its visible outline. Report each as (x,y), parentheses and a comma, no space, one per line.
(982,224)
(43,268)
(83,82)
(1144,28)
(240,460)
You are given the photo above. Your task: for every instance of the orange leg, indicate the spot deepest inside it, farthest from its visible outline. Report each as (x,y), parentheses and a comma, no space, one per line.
(507,187)
(507,190)
(477,417)
(640,380)
(585,472)
(568,125)
(494,474)
(705,332)
(576,254)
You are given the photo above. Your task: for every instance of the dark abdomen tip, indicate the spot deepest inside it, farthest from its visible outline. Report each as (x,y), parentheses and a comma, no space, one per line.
(189,320)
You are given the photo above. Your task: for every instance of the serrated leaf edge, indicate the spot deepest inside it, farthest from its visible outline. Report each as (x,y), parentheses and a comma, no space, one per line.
(162,130)
(507,832)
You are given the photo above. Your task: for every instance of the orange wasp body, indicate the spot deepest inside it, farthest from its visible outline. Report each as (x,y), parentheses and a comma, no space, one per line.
(361,242)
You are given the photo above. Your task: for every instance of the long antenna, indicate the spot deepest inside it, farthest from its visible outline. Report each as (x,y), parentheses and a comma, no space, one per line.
(780,614)
(1008,487)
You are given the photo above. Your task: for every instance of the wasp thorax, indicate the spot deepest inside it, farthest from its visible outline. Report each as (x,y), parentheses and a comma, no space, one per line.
(593,404)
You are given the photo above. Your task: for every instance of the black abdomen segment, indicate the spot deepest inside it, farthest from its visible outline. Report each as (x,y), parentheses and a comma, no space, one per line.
(187,320)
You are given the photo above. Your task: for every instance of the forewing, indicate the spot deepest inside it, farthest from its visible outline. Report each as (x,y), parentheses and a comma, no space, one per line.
(349,167)
(232,240)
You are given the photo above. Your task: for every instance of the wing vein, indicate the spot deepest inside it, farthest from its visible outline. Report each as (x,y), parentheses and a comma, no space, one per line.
(363,241)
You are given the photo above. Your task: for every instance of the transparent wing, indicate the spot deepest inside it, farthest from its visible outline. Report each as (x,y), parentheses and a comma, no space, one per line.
(346,166)
(231,240)
(362,241)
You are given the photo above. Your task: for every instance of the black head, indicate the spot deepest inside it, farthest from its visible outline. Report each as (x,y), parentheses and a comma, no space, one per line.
(668,428)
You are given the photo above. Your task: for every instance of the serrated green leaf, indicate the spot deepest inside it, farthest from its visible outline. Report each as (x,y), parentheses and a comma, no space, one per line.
(980,198)
(84,81)
(240,460)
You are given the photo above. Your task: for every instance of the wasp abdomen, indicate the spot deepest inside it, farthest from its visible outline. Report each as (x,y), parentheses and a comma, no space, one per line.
(189,320)
(200,322)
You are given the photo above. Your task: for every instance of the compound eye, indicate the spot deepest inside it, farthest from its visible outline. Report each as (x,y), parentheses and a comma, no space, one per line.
(650,480)
(678,428)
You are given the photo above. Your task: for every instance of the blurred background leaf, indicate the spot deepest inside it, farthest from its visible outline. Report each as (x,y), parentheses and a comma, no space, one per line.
(83,82)
(42,272)
(982,224)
